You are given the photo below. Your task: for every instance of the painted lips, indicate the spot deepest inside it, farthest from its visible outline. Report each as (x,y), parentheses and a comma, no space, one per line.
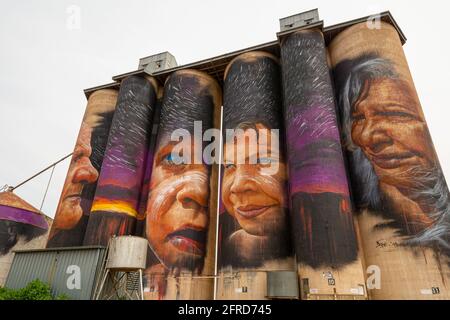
(391,161)
(252,211)
(189,240)
(74,197)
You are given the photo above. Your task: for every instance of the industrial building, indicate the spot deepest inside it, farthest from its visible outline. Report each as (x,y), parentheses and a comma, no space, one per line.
(345,200)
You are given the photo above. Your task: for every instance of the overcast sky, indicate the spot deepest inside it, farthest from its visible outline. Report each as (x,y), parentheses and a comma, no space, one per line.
(46,62)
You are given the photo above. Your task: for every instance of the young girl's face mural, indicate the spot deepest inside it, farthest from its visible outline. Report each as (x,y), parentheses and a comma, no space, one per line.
(251,192)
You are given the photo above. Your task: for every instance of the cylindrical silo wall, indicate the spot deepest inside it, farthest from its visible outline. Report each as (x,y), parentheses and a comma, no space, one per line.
(253,222)
(323,226)
(116,200)
(398,186)
(143,198)
(180,217)
(78,192)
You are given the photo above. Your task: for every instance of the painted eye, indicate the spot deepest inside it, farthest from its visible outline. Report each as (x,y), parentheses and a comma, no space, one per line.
(229,165)
(358,117)
(172,159)
(398,114)
(265,161)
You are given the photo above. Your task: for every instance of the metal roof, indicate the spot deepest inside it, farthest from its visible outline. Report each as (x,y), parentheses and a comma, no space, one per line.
(215,66)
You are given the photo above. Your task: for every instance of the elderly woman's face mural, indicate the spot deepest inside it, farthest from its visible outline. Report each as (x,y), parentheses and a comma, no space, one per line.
(388,127)
(253,221)
(396,171)
(177,220)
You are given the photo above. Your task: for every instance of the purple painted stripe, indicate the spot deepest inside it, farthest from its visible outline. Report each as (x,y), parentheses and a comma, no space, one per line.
(22,216)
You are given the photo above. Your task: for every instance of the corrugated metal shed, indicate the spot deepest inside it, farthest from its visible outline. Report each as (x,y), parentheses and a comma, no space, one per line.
(58,267)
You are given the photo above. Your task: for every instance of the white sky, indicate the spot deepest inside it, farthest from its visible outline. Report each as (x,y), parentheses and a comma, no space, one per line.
(44,65)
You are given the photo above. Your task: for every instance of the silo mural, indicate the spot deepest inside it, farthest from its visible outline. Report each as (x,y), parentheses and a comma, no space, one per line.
(18,219)
(116,200)
(75,203)
(254,233)
(143,198)
(21,227)
(324,231)
(180,219)
(398,185)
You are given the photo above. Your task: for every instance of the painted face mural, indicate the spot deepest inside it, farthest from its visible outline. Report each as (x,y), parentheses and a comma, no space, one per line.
(79,188)
(116,201)
(322,219)
(253,220)
(396,171)
(19,222)
(177,220)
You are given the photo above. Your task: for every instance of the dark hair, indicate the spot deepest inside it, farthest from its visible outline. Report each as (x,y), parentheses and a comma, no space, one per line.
(252,93)
(185,101)
(12,231)
(131,124)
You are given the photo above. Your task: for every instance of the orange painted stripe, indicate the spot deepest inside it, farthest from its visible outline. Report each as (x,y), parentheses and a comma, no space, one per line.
(114,206)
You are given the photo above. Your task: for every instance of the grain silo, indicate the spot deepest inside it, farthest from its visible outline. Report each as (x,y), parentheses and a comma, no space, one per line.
(75,202)
(181,207)
(143,198)
(398,185)
(324,230)
(254,230)
(116,200)
(294,209)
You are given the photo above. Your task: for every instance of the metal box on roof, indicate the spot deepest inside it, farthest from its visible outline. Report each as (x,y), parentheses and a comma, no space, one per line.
(299,20)
(157,62)
(70,271)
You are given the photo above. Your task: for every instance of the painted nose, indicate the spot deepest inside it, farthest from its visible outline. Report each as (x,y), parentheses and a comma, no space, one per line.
(194,195)
(242,180)
(85,172)
(374,137)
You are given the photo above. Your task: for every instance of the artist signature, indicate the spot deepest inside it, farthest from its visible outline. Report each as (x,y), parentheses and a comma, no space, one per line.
(387,244)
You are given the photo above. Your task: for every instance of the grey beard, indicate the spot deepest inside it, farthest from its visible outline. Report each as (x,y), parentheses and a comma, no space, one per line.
(430,188)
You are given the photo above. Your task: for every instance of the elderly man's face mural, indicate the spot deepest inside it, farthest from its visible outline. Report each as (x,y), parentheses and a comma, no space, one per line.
(253,181)
(81,172)
(79,187)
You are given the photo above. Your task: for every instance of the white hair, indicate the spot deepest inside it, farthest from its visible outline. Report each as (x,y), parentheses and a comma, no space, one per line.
(430,186)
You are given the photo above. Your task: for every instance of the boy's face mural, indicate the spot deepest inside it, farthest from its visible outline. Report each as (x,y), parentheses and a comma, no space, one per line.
(177,213)
(252,195)
(81,172)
